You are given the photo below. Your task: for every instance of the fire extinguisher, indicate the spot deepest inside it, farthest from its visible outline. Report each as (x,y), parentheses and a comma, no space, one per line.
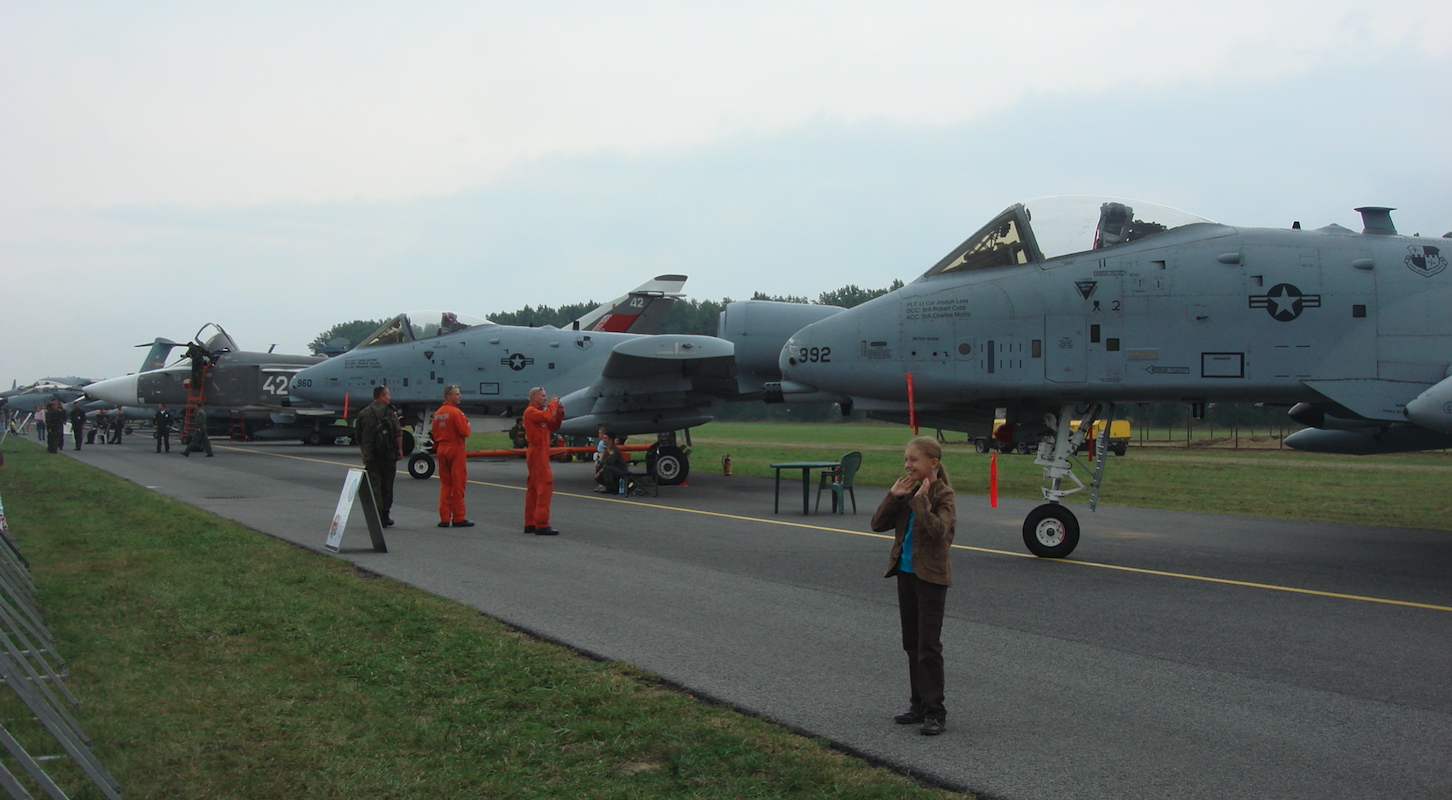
(726,465)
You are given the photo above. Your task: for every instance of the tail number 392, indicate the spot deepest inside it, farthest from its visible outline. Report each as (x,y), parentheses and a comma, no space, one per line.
(815,354)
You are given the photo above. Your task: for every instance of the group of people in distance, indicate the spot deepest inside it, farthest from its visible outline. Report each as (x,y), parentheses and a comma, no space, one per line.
(919,508)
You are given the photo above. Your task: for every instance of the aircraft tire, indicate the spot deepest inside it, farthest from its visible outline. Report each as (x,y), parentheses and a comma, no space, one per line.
(670,467)
(980,445)
(1051,531)
(421,466)
(408,441)
(314,438)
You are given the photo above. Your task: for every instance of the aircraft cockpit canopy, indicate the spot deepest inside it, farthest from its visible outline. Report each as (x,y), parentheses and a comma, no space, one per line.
(413,326)
(1049,227)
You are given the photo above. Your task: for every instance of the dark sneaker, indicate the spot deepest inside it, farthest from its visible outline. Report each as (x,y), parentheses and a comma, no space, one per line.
(931,727)
(444,524)
(908,718)
(529,529)
(546,531)
(387,523)
(463,523)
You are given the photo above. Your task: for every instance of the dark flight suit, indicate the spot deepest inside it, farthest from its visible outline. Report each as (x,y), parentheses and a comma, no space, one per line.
(78,424)
(612,469)
(451,430)
(200,440)
(162,421)
(539,423)
(55,429)
(118,426)
(378,434)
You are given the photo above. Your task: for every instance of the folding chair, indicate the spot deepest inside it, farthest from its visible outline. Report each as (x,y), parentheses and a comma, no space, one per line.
(839,480)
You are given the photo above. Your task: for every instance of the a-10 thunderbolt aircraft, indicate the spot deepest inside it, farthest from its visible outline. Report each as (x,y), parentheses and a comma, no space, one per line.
(608,368)
(1063,307)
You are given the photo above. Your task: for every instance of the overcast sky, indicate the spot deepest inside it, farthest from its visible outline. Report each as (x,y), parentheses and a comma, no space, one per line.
(281,167)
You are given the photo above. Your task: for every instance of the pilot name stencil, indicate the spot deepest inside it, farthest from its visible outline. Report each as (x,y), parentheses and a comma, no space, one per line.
(1285,302)
(936,309)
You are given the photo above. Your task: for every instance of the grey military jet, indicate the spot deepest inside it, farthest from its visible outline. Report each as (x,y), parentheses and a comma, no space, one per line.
(608,368)
(1063,307)
(255,384)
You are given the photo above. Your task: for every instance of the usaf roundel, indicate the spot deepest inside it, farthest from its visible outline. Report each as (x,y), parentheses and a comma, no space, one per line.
(1285,302)
(1425,260)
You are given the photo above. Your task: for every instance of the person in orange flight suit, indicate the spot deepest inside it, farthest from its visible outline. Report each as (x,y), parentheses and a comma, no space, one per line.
(540,420)
(450,430)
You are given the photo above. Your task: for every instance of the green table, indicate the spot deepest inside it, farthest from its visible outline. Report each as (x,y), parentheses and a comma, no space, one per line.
(806,467)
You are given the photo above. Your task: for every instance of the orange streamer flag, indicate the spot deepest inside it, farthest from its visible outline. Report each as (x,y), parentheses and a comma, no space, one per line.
(345,405)
(912,414)
(993,480)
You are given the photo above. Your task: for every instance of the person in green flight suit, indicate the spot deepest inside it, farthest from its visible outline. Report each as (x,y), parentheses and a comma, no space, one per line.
(199,440)
(380,438)
(78,422)
(55,426)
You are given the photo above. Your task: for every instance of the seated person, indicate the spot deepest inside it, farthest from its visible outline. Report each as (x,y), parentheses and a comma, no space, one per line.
(516,435)
(612,467)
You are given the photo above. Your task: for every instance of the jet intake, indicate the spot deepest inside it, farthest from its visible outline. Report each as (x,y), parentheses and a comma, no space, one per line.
(760,328)
(1432,409)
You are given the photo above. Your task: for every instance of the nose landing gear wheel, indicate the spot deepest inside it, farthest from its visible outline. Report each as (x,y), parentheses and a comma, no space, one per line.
(421,466)
(1051,531)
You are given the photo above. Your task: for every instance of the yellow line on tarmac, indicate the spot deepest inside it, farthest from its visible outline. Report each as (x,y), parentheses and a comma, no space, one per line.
(1137,570)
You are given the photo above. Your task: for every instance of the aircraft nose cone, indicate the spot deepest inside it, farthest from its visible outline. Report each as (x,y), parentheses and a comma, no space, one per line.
(116,391)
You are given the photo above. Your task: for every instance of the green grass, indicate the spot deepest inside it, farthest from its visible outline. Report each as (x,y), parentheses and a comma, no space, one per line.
(216,662)
(1404,490)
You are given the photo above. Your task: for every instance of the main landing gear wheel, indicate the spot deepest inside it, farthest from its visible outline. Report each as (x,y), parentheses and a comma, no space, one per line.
(670,466)
(314,439)
(421,466)
(407,441)
(1051,531)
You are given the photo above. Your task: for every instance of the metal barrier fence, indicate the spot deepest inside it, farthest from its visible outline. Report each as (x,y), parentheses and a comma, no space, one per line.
(39,716)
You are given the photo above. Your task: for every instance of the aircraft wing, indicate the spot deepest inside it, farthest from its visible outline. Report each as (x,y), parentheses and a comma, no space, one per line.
(654,383)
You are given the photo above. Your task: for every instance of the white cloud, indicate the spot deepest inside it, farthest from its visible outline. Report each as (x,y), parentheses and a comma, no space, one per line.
(312,102)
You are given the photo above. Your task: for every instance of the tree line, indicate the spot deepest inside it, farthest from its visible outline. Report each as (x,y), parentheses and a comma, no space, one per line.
(698,317)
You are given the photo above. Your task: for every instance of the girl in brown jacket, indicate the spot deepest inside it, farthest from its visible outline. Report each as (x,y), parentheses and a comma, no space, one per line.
(919,507)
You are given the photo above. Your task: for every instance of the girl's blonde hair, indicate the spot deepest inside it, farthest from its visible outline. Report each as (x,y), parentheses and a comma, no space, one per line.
(929,447)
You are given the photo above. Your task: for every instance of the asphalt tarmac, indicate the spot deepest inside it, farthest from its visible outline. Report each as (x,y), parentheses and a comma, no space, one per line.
(1175,654)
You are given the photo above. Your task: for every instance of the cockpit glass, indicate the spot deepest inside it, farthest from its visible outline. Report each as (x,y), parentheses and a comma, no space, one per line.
(1003,242)
(1066,225)
(415,325)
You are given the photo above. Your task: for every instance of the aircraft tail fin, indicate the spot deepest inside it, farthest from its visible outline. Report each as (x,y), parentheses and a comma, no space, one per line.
(641,311)
(156,358)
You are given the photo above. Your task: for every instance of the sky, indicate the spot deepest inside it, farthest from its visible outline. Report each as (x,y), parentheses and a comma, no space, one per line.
(277,168)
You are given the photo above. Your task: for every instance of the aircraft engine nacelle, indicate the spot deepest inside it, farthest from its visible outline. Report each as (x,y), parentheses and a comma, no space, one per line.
(759,329)
(1433,408)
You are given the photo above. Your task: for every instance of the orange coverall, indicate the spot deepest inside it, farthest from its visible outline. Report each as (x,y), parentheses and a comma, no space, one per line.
(451,429)
(539,423)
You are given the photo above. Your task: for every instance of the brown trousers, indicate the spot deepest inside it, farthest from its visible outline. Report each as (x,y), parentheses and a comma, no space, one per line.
(920,605)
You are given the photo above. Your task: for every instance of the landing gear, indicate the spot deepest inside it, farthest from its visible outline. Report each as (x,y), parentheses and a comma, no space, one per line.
(668,464)
(1051,530)
(313,438)
(421,466)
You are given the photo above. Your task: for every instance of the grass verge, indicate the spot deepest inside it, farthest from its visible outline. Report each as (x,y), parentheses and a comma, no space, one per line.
(217,662)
